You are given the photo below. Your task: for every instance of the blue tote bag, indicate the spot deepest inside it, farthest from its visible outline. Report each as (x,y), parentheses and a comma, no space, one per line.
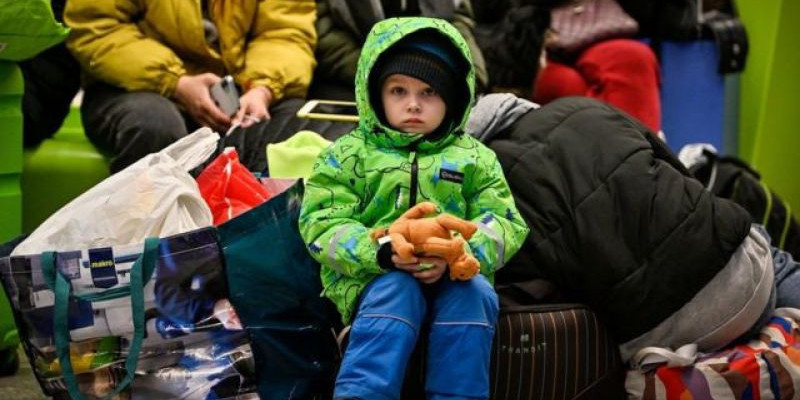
(130,322)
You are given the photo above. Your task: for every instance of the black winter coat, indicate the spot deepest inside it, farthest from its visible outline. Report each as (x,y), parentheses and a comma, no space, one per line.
(616,221)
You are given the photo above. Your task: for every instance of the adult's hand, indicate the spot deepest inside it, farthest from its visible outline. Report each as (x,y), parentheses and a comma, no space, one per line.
(253,106)
(193,93)
(224,312)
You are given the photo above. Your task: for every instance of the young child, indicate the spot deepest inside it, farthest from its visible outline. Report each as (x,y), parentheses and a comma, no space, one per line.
(414,87)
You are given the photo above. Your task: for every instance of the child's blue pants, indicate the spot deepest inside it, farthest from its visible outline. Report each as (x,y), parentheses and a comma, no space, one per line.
(393,308)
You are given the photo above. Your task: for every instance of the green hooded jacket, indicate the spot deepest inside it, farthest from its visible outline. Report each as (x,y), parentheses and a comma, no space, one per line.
(370,176)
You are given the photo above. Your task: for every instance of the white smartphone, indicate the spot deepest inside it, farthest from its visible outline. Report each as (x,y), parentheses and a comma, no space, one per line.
(332,110)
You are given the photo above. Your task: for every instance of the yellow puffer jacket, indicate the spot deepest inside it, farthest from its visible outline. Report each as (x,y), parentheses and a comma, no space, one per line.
(149,44)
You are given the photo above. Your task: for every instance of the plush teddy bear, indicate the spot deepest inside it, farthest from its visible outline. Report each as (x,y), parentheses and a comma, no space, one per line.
(414,234)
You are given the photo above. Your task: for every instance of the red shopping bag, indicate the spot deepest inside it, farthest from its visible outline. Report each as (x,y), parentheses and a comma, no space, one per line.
(229,187)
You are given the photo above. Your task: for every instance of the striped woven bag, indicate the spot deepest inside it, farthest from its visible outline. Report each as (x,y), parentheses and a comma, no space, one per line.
(768,367)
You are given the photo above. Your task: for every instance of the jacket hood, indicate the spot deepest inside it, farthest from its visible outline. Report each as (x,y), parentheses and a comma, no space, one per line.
(383,36)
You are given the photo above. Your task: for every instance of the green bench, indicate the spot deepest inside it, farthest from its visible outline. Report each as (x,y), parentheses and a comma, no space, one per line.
(10,196)
(58,170)
(34,183)
(10,151)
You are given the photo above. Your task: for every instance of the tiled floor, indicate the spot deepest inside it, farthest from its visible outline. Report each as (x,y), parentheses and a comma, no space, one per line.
(22,385)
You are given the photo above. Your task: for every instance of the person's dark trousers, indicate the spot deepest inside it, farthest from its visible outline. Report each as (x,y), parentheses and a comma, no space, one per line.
(328,90)
(52,78)
(131,125)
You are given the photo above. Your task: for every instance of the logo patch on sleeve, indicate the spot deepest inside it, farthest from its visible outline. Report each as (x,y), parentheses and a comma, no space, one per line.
(452,176)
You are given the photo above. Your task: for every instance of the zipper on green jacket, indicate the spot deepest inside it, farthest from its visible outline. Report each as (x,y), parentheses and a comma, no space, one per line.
(414,180)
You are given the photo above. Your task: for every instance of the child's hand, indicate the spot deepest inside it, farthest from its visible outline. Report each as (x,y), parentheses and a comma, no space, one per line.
(406,264)
(433,271)
(432,274)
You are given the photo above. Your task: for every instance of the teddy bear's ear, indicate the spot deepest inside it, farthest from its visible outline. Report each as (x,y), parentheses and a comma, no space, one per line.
(378,233)
(464,268)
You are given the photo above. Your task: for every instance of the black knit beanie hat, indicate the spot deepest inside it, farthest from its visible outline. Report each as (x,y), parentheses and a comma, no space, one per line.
(430,57)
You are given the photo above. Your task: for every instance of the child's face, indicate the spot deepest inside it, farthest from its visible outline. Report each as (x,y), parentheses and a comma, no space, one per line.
(411,105)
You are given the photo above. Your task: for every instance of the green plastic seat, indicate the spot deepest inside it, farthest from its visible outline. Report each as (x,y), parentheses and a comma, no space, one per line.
(11,86)
(58,170)
(34,183)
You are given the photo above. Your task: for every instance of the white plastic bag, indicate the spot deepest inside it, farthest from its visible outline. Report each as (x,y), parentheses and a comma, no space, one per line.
(155,196)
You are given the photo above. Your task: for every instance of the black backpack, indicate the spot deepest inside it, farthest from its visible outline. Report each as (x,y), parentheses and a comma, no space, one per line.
(684,20)
(734,179)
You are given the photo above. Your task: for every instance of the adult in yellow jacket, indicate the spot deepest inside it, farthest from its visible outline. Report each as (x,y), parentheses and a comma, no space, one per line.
(149,65)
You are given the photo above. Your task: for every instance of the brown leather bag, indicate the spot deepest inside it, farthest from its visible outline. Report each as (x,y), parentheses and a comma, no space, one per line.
(581,23)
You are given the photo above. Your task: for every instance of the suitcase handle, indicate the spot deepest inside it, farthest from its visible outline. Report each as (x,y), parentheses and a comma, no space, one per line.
(141,272)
